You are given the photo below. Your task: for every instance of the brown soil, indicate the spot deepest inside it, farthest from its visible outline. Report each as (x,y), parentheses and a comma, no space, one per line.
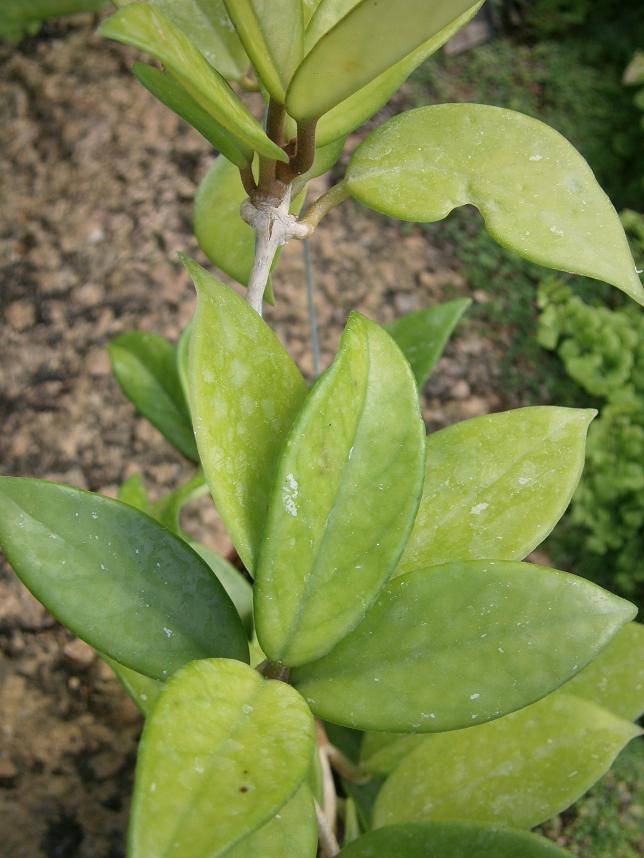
(97,182)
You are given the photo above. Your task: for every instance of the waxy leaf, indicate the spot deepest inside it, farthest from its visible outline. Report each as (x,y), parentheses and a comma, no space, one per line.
(485,637)
(367,101)
(233,582)
(309,7)
(147,29)
(346,493)
(167,510)
(536,193)
(382,752)
(422,336)
(145,367)
(517,771)
(292,831)
(615,678)
(169,91)
(182,355)
(495,486)
(369,39)
(245,393)
(221,753)
(116,578)
(451,840)
(143,690)
(272,34)
(207,25)
(134,493)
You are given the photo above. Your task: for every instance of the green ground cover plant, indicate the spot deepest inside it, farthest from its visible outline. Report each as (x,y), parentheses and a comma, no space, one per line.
(385,675)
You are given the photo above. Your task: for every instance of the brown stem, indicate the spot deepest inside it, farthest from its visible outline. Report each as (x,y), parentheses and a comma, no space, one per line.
(248,180)
(275,130)
(304,156)
(323,205)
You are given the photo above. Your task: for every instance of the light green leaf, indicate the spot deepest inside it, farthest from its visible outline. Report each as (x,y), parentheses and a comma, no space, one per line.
(369,39)
(233,582)
(486,637)
(346,493)
(143,690)
(245,393)
(517,771)
(145,367)
(167,510)
(495,486)
(382,752)
(422,336)
(221,752)
(351,822)
(309,7)
(173,95)
(325,158)
(292,831)
(367,101)
(134,493)
(615,678)
(116,578)
(224,237)
(536,193)
(147,29)
(272,34)
(183,353)
(451,840)
(207,25)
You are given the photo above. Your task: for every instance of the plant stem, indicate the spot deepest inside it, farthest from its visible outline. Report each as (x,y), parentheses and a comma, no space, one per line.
(323,205)
(310,297)
(248,180)
(275,116)
(304,156)
(328,843)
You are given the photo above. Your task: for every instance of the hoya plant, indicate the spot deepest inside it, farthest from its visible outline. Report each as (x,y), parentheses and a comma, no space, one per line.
(380,673)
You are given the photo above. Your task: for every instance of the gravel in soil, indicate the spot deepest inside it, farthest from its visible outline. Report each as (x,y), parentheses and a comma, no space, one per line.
(97,182)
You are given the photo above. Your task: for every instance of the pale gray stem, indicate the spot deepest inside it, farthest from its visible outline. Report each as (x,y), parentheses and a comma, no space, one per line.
(274,226)
(328,843)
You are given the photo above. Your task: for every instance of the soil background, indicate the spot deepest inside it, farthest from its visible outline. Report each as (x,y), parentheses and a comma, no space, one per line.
(96,187)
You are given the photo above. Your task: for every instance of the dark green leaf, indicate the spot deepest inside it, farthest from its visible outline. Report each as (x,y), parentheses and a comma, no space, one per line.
(486,637)
(145,367)
(116,578)
(422,336)
(221,753)
(536,193)
(346,492)
(233,582)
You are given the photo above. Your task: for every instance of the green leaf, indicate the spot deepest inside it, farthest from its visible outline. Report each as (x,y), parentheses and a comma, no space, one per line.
(517,771)
(451,840)
(245,393)
(143,690)
(382,752)
(486,637)
(224,237)
(233,582)
(167,510)
(495,486)
(182,355)
(134,493)
(351,822)
(173,95)
(615,678)
(116,578)
(293,831)
(147,29)
(208,27)
(272,34)
(309,7)
(367,101)
(368,40)
(536,193)
(422,336)
(221,753)
(325,158)
(145,367)
(346,493)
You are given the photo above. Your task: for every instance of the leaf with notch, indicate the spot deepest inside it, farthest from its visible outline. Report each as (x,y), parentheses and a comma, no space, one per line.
(536,193)
(116,578)
(370,38)
(486,637)
(350,474)
(495,486)
(422,336)
(245,392)
(222,751)
(517,771)
(147,29)
(451,840)
(145,367)
(272,34)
